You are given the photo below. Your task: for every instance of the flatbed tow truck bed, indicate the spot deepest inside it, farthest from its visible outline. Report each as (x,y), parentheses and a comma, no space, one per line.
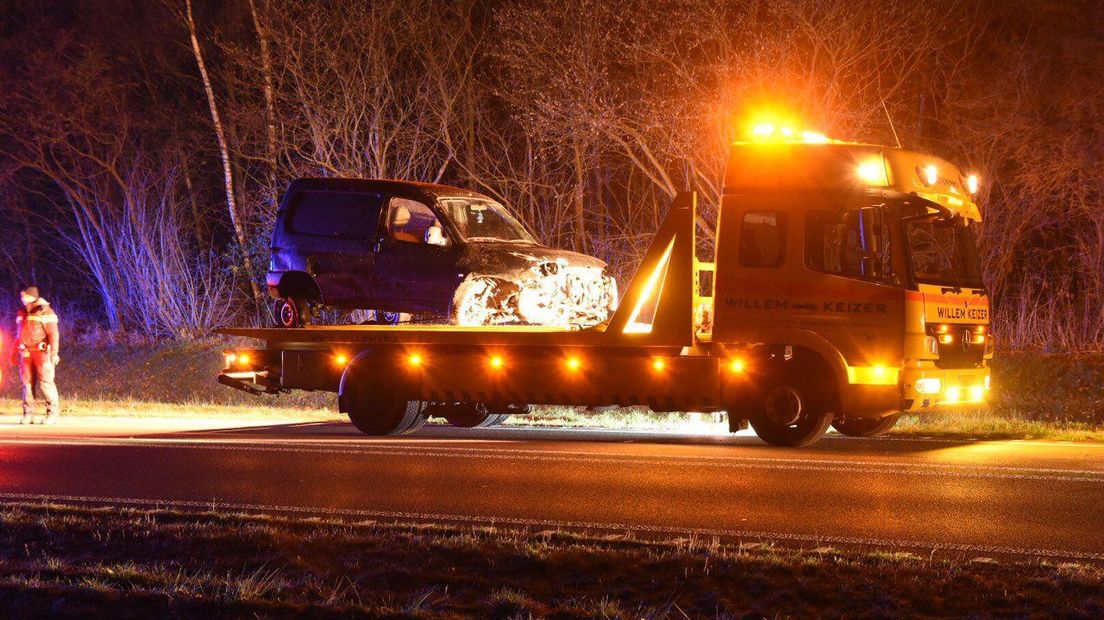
(646,354)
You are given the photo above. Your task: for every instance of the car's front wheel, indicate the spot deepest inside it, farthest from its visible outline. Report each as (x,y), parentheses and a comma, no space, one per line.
(481,301)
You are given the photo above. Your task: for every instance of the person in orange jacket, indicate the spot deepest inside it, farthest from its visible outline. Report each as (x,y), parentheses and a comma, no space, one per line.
(36,351)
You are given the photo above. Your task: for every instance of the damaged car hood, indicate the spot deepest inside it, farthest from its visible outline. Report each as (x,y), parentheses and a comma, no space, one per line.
(510,282)
(507,258)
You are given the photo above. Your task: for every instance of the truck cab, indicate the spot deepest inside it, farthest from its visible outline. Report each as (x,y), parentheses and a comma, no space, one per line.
(857,265)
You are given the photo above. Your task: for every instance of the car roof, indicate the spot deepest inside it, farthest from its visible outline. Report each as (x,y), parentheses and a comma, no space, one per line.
(390,186)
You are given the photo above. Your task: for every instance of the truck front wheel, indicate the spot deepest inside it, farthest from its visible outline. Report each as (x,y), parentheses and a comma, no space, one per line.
(792,415)
(865,427)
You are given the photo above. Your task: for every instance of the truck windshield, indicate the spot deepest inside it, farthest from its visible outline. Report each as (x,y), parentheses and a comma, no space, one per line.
(943,253)
(484,220)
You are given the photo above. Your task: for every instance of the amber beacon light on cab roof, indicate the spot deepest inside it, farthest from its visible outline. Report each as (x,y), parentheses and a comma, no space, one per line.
(846,289)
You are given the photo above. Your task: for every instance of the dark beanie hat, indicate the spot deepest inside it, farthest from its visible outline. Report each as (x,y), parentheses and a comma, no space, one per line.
(31,290)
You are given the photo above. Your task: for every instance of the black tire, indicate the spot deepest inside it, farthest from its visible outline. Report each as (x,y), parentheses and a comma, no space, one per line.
(498,420)
(865,427)
(383,317)
(291,312)
(793,413)
(470,415)
(376,408)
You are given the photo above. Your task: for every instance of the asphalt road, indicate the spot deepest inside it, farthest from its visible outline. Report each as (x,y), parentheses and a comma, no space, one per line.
(972,498)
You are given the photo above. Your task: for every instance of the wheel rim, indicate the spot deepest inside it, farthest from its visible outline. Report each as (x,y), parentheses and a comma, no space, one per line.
(784,406)
(476,307)
(287,314)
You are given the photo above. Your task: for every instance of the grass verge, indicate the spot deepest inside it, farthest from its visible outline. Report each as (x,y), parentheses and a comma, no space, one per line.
(67,560)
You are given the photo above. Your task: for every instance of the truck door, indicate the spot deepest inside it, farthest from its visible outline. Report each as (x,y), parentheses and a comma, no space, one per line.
(416,259)
(849,257)
(810,262)
(335,231)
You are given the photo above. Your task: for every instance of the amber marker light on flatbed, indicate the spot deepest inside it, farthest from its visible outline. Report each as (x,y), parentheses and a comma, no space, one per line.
(496,362)
(658,364)
(414,360)
(341,359)
(573,363)
(737,366)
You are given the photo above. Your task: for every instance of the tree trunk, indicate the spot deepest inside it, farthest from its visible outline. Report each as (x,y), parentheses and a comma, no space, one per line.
(224,152)
(203,242)
(270,105)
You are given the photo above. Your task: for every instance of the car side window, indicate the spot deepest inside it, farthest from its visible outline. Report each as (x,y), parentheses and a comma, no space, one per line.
(412,221)
(763,239)
(834,243)
(338,215)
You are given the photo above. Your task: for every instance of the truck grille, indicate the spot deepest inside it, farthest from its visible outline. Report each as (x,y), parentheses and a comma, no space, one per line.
(961,351)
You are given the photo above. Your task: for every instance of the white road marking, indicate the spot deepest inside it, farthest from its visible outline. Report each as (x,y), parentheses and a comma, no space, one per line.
(398,448)
(489,521)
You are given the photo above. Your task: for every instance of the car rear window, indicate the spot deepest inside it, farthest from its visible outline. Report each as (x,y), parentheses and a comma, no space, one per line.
(341,215)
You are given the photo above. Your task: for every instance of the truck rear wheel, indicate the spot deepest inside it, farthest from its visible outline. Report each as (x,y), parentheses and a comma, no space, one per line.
(386,414)
(793,414)
(470,415)
(375,408)
(865,427)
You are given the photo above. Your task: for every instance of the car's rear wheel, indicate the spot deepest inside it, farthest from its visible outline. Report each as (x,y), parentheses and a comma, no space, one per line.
(291,312)
(865,427)
(793,413)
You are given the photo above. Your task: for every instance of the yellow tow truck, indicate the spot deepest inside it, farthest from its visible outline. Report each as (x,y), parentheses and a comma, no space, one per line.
(845,289)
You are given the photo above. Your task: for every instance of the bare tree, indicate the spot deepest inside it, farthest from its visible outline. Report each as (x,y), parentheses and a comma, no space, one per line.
(224,153)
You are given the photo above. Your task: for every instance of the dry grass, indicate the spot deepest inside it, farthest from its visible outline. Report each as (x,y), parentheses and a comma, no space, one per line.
(984,424)
(79,561)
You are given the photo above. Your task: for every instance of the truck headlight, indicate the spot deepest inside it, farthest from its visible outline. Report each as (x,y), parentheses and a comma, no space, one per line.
(930,385)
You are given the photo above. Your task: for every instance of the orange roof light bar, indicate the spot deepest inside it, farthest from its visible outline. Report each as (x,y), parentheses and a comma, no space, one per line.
(872,171)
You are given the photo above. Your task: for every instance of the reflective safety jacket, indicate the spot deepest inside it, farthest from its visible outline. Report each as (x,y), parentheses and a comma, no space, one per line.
(36,328)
